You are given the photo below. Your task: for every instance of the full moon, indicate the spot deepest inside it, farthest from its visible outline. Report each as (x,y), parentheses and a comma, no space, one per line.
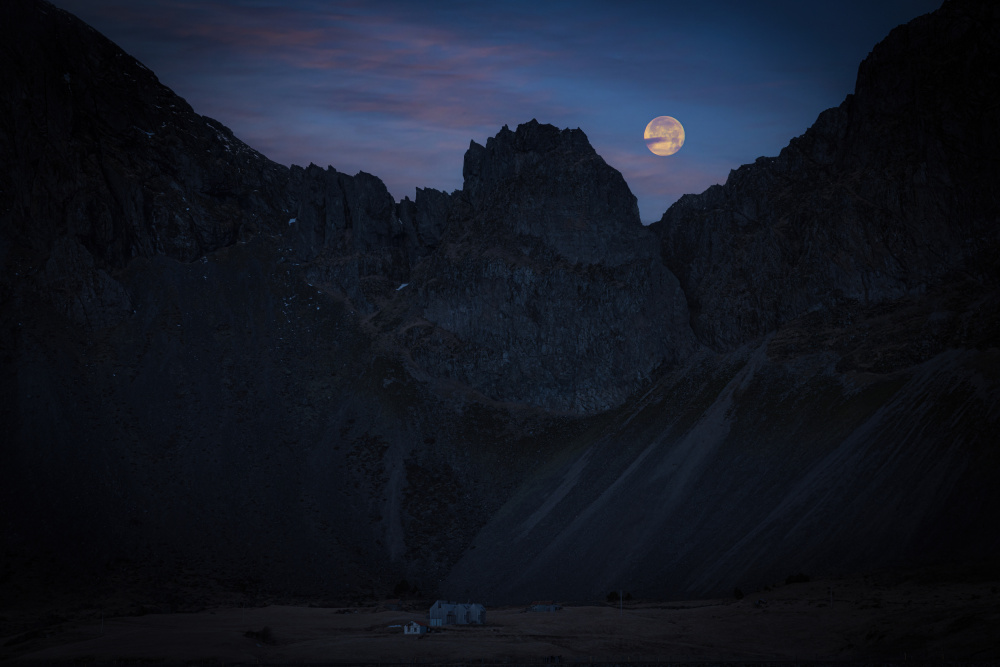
(664,135)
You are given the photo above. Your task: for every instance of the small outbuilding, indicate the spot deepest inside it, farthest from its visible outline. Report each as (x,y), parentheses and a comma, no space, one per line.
(454,613)
(415,628)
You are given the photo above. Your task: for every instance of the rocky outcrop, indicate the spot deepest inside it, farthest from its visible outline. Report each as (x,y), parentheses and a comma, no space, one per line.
(855,431)
(103,164)
(884,196)
(551,184)
(340,214)
(347,229)
(534,284)
(545,288)
(424,221)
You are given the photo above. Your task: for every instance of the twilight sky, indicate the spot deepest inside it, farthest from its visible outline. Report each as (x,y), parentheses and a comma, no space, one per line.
(398,89)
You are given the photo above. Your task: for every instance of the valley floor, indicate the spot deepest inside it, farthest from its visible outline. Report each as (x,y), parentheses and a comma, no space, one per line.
(887,618)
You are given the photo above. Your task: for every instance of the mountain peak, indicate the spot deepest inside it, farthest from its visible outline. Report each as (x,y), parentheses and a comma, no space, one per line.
(551,184)
(542,138)
(884,196)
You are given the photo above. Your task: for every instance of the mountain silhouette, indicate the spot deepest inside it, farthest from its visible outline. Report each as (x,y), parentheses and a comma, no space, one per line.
(224,379)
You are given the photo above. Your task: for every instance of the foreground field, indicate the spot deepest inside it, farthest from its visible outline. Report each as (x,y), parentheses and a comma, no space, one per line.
(888,617)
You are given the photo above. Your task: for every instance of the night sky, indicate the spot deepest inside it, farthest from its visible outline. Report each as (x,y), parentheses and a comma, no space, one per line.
(398,89)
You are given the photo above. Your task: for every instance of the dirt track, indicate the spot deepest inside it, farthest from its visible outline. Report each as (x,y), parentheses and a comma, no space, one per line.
(870,619)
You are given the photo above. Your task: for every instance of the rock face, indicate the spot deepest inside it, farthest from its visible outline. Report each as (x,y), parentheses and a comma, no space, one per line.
(552,185)
(545,288)
(346,227)
(852,283)
(103,164)
(153,333)
(424,220)
(535,284)
(341,214)
(884,196)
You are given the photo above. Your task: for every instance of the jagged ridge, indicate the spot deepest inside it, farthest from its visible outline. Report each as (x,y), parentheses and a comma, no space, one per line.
(885,196)
(189,381)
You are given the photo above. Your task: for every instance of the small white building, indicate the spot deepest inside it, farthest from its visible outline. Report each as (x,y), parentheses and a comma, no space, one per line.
(415,628)
(453,613)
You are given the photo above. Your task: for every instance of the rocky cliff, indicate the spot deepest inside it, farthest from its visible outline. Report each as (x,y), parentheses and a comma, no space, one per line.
(543,288)
(103,164)
(221,377)
(526,286)
(173,392)
(849,290)
(883,197)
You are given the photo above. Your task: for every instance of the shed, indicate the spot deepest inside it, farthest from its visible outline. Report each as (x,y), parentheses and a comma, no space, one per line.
(415,628)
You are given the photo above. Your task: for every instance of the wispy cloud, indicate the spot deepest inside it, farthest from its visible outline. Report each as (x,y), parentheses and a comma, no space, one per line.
(399,88)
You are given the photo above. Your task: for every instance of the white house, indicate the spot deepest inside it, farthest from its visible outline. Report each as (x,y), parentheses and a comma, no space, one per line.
(453,613)
(415,628)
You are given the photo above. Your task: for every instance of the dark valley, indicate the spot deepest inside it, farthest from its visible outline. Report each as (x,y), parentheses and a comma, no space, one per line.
(225,381)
